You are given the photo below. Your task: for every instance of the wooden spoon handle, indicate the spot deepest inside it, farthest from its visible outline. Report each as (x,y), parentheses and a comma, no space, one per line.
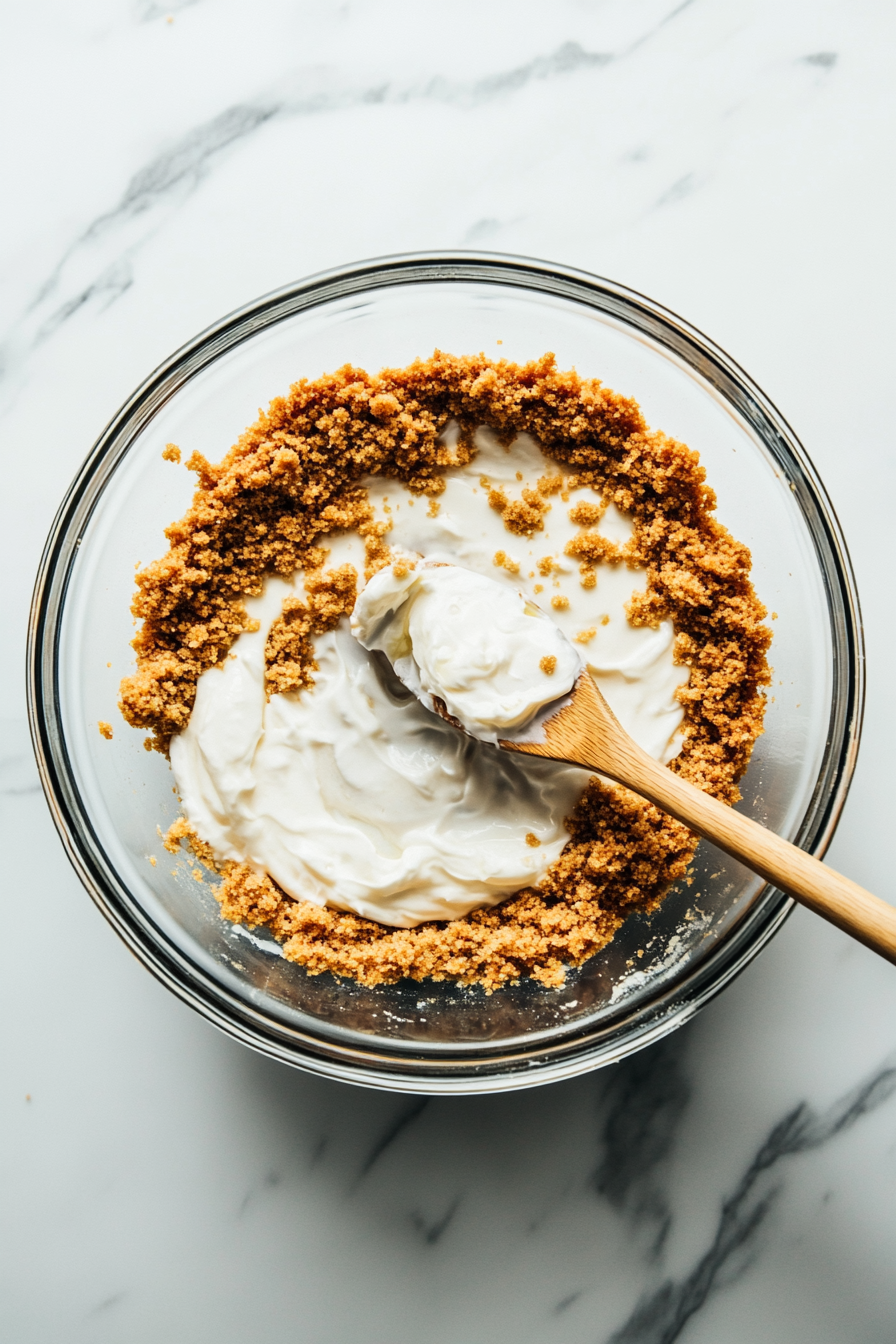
(866,917)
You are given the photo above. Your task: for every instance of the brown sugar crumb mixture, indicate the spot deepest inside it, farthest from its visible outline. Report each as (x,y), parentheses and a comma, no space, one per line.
(292,479)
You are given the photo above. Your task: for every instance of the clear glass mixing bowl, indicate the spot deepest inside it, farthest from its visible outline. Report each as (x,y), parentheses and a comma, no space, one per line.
(109,798)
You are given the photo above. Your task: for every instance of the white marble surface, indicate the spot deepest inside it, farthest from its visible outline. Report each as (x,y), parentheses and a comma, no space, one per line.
(732,158)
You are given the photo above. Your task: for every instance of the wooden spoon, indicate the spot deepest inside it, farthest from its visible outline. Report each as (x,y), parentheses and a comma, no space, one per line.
(586,732)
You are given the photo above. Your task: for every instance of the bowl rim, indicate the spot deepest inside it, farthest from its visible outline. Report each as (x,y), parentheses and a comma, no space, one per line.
(482,1068)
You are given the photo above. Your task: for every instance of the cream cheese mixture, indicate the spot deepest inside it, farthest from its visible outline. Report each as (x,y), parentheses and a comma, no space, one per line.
(354,795)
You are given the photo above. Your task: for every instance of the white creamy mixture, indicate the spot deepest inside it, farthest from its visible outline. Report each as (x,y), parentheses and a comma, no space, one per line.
(352,794)
(468,640)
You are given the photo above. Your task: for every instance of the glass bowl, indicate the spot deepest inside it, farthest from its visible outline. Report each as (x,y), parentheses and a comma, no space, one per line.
(110,799)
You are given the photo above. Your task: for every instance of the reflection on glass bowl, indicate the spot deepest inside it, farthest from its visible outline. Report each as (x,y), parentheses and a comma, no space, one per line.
(109,799)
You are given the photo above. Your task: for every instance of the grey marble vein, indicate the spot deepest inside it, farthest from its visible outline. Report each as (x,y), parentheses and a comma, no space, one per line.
(644,1103)
(186,161)
(108,1304)
(672,15)
(682,187)
(405,1117)
(566,1302)
(178,170)
(149,10)
(826,60)
(174,173)
(432,1231)
(318,1151)
(660,1317)
(567,59)
(270,1181)
(108,286)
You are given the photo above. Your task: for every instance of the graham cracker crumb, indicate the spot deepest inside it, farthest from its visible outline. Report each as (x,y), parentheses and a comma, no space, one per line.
(522,516)
(292,479)
(183,830)
(592,548)
(548,665)
(105,729)
(559,602)
(171,452)
(586,636)
(586,513)
(288,652)
(503,561)
(532,840)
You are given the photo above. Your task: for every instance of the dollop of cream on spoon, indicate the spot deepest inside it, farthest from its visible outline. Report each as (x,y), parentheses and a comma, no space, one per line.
(488,653)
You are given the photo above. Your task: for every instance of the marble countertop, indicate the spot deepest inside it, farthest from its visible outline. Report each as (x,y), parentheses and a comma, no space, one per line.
(163,165)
